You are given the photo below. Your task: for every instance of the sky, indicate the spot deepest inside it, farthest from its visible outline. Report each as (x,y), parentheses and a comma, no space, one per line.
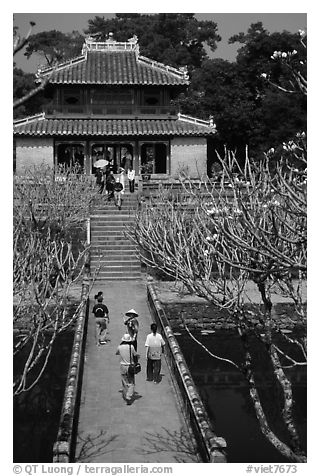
(228,25)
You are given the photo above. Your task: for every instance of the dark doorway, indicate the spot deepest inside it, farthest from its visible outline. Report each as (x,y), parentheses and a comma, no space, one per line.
(70,155)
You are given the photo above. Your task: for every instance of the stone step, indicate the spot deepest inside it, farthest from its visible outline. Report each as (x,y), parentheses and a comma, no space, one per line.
(118,272)
(108,231)
(123,247)
(104,219)
(118,252)
(103,200)
(116,266)
(110,225)
(112,208)
(100,239)
(111,240)
(117,277)
(120,232)
(121,254)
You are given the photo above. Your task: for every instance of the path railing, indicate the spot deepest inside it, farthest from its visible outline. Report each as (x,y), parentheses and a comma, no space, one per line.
(211,447)
(64,447)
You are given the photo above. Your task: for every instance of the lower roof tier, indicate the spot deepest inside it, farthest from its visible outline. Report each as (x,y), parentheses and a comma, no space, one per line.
(112,127)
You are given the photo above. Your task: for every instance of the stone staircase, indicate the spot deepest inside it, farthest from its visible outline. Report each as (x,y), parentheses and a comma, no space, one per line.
(111,249)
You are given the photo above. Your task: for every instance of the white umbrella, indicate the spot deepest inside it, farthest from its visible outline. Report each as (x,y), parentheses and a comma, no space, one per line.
(101,163)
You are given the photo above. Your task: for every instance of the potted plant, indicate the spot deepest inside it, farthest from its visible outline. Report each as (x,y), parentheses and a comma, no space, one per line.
(146,170)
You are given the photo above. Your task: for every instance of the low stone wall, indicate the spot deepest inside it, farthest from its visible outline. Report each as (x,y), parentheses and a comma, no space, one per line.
(202,316)
(211,447)
(63,449)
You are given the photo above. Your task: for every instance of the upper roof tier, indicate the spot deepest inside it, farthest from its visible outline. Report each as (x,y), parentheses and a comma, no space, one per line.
(114,63)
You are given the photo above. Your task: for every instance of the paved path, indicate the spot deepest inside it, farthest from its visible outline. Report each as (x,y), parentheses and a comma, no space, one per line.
(152,429)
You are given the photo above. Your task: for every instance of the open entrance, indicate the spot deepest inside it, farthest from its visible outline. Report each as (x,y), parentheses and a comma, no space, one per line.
(117,154)
(154,158)
(70,155)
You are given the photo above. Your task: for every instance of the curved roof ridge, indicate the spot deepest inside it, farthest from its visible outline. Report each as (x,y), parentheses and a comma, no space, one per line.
(49,69)
(182,72)
(25,120)
(113,127)
(195,120)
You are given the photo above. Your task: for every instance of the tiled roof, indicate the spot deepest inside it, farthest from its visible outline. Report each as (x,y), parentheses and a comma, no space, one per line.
(115,68)
(111,127)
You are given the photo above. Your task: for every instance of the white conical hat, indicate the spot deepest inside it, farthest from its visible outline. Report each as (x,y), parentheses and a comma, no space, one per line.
(126,338)
(132,312)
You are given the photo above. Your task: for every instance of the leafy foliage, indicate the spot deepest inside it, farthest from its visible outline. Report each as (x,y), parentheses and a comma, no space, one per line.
(23,84)
(248,110)
(54,46)
(176,39)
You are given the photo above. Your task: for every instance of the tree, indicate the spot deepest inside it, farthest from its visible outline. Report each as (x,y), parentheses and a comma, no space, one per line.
(217,89)
(176,39)
(48,259)
(247,109)
(23,84)
(55,46)
(217,241)
(23,93)
(250,226)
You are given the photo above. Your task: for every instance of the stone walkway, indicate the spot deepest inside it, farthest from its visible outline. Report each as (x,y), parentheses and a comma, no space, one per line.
(152,429)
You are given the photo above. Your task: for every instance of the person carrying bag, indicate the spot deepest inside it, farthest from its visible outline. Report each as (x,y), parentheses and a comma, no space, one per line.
(128,356)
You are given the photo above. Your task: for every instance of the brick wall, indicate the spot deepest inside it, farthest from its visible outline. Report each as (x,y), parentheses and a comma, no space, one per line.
(189,153)
(33,151)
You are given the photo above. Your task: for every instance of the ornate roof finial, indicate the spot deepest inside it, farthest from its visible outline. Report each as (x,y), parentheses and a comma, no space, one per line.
(133,40)
(184,71)
(211,122)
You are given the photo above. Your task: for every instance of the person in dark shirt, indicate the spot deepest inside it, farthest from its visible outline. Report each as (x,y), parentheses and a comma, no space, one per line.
(110,181)
(118,192)
(100,179)
(101,314)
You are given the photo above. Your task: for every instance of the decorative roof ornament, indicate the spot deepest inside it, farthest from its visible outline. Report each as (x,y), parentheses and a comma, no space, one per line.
(110,38)
(184,71)
(134,39)
(212,123)
(110,44)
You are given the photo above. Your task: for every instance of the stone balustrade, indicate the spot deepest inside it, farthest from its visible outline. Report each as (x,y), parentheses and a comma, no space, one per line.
(211,447)
(64,446)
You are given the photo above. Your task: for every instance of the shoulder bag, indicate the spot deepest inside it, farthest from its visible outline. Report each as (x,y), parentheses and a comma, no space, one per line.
(134,367)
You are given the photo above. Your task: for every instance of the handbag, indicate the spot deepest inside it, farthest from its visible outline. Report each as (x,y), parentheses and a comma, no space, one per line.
(133,368)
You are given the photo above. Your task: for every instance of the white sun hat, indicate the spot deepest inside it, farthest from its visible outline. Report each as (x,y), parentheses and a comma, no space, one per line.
(132,313)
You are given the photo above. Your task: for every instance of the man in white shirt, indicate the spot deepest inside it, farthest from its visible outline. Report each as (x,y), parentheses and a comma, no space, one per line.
(131,177)
(154,348)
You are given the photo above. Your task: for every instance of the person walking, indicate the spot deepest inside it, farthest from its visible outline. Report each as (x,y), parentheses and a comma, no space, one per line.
(110,181)
(101,314)
(127,355)
(131,178)
(96,296)
(122,178)
(154,348)
(118,191)
(126,160)
(132,324)
(99,179)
